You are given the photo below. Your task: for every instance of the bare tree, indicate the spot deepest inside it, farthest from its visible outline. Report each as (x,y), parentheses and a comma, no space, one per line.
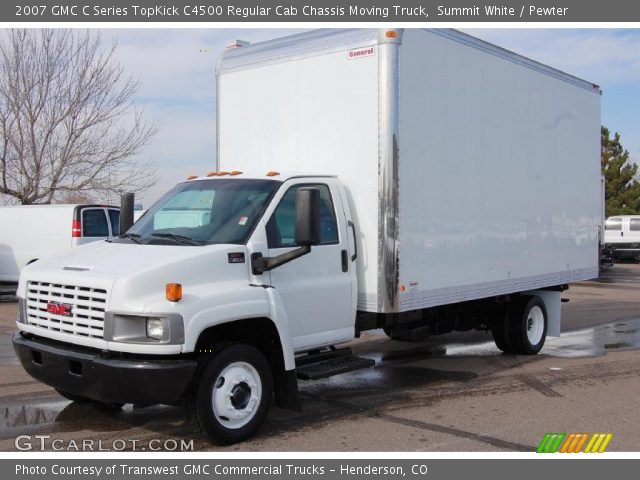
(75,197)
(68,122)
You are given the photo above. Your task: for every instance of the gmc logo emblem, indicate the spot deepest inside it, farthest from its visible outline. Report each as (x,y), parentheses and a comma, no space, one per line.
(59,309)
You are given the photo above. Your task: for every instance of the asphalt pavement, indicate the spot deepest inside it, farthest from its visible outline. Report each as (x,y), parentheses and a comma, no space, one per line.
(455,392)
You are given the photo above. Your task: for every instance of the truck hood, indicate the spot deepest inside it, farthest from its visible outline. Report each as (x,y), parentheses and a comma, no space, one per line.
(117,259)
(135,270)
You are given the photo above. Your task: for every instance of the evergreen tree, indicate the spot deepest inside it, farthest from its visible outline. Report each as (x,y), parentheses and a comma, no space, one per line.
(622,185)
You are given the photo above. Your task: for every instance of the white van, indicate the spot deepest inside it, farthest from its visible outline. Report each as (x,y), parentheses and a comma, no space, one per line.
(622,236)
(30,232)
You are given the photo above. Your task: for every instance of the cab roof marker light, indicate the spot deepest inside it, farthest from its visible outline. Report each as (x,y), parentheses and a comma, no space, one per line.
(235,172)
(222,174)
(272,173)
(212,174)
(191,177)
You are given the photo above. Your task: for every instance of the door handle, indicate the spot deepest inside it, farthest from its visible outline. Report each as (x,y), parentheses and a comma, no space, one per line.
(345,260)
(355,242)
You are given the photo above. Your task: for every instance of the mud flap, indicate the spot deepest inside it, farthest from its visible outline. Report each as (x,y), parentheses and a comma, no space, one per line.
(286,390)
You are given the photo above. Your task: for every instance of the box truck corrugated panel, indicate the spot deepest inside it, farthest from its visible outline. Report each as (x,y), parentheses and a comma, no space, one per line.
(444,140)
(498,172)
(301,104)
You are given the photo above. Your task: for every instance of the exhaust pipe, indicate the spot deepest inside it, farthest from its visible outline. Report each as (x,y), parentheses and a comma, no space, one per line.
(126,212)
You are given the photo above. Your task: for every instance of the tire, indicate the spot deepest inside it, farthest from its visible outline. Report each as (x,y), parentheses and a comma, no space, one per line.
(233,394)
(527,326)
(500,336)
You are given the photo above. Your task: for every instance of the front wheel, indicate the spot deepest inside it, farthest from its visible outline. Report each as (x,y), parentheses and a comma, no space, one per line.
(234,393)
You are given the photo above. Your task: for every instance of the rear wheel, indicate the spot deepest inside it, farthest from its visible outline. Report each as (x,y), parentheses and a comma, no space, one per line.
(234,393)
(524,329)
(500,336)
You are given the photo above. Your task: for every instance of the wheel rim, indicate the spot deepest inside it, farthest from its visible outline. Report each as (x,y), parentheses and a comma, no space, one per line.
(236,394)
(535,325)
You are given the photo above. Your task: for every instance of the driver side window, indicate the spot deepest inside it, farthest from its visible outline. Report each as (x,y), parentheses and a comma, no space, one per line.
(282,224)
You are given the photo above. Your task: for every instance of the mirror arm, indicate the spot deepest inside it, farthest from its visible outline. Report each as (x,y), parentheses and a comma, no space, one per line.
(260,264)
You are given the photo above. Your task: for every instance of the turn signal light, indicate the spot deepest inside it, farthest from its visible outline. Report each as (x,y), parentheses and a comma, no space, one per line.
(173,292)
(272,173)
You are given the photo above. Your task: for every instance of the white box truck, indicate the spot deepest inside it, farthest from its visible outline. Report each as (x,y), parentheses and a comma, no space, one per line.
(31,232)
(418,181)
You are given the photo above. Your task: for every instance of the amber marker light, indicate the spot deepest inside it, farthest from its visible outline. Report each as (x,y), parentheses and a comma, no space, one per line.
(272,173)
(391,34)
(235,172)
(222,174)
(173,292)
(212,174)
(191,177)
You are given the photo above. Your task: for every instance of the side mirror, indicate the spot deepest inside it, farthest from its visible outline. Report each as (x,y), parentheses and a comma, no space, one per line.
(308,216)
(307,232)
(126,212)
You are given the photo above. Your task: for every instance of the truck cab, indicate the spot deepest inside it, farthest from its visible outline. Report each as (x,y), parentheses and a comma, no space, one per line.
(250,269)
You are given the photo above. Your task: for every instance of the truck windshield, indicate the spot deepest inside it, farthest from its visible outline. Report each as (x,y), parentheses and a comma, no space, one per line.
(204,212)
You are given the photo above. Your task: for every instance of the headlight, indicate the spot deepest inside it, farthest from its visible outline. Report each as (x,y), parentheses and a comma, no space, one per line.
(155,328)
(149,328)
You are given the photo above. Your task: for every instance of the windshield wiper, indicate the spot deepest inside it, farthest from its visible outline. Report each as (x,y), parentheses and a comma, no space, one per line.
(133,236)
(178,238)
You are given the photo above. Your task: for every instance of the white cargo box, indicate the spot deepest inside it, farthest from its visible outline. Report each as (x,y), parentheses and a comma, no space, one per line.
(471,171)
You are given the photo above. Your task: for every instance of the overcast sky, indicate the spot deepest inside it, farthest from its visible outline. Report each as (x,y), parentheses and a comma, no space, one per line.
(177,82)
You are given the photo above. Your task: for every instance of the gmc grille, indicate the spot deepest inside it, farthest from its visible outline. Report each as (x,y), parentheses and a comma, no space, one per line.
(69,309)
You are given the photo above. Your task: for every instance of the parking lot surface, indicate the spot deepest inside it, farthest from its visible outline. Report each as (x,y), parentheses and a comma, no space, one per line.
(455,392)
